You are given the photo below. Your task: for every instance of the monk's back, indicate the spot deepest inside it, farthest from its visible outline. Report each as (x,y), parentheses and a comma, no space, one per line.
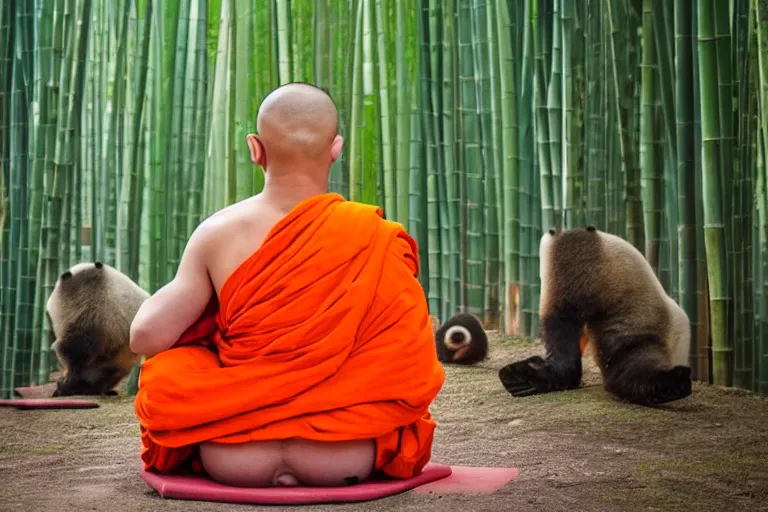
(237,232)
(317,364)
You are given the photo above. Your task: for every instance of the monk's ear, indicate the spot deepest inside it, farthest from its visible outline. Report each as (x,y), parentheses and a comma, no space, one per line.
(336,145)
(258,155)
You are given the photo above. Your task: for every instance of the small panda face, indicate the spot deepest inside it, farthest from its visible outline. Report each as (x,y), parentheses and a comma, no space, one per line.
(456,337)
(461,340)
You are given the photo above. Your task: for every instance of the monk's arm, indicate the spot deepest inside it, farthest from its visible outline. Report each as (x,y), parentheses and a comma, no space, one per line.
(164,317)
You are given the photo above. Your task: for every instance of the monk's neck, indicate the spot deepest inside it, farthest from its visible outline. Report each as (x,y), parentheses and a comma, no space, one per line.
(289,190)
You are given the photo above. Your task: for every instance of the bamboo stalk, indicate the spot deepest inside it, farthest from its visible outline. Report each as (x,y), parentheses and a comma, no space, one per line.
(713,209)
(621,83)
(686,173)
(650,151)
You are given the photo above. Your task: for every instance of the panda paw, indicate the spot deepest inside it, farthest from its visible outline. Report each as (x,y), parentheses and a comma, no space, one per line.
(527,377)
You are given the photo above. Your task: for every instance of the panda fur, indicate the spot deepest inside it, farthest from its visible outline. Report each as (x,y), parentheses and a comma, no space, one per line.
(461,340)
(90,312)
(599,286)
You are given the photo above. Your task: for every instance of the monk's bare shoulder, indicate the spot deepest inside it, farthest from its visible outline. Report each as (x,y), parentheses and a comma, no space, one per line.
(220,224)
(230,236)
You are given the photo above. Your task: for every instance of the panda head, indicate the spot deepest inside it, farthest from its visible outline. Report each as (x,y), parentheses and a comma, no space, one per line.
(461,340)
(456,337)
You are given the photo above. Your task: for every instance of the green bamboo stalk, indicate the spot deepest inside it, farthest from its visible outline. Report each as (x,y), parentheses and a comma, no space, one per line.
(573,86)
(509,165)
(443,69)
(555,116)
(650,151)
(523,273)
(323,65)
(417,190)
(434,261)
(197,138)
(622,83)
(666,51)
(761,28)
(133,178)
(173,161)
(686,173)
(403,72)
(386,118)
(713,207)
(355,153)
(742,190)
(472,237)
(245,107)
(569,112)
(282,33)
(725,91)
(594,155)
(25,300)
(158,242)
(72,71)
(17,350)
(495,277)
(663,23)
(489,228)
(541,52)
(219,154)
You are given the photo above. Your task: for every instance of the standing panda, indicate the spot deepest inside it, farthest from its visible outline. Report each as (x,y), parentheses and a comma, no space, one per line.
(90,313)
(461,340)
(598,285)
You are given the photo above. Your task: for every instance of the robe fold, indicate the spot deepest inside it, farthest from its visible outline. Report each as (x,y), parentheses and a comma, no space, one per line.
(323,333)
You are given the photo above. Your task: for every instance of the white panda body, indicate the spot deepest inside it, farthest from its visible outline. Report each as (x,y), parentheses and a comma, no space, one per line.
(602,282)
(90,312)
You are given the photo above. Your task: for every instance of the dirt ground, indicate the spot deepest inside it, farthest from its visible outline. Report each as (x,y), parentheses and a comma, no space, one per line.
(578,450)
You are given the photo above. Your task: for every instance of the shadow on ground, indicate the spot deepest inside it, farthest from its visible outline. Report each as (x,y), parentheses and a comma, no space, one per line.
(578,450)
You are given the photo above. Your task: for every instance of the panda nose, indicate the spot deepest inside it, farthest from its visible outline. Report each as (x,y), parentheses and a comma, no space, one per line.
(457,337)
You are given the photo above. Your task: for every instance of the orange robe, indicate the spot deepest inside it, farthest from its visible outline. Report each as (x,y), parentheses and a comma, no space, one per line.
(323,333)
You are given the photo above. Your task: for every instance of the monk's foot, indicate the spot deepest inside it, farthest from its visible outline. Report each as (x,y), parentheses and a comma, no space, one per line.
(289,463)
(286,480)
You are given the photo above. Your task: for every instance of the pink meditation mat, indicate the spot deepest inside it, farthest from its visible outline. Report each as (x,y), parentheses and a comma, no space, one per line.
(48,403)
(437,478)
(40,391)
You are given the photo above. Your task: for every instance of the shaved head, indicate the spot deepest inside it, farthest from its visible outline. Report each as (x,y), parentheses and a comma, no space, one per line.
(297,122)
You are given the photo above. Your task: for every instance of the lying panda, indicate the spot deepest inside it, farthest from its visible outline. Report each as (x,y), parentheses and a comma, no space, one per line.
(599,284)
(90,312)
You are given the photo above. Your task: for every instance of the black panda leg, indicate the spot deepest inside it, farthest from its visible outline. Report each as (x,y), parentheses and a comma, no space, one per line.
(636,371)
(70,384)
(561,369)
(652,387)
(78,348)
(108,377)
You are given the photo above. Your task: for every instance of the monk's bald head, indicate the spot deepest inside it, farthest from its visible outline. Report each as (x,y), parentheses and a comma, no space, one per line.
(298,121)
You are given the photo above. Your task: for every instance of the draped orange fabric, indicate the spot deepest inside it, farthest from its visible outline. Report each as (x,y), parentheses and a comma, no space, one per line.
(323,333)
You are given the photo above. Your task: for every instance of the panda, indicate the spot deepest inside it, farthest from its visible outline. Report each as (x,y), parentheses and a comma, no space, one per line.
(90,312)
(597,288)
(461,340)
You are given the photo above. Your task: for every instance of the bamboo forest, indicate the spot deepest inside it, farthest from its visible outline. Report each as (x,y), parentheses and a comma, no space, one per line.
(477,124)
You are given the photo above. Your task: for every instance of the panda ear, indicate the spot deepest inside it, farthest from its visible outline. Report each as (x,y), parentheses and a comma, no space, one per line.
(66,275)
(551,231)
(591,228)
(98,264)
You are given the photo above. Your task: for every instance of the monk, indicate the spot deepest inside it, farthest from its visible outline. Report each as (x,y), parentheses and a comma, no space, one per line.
(294,344)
